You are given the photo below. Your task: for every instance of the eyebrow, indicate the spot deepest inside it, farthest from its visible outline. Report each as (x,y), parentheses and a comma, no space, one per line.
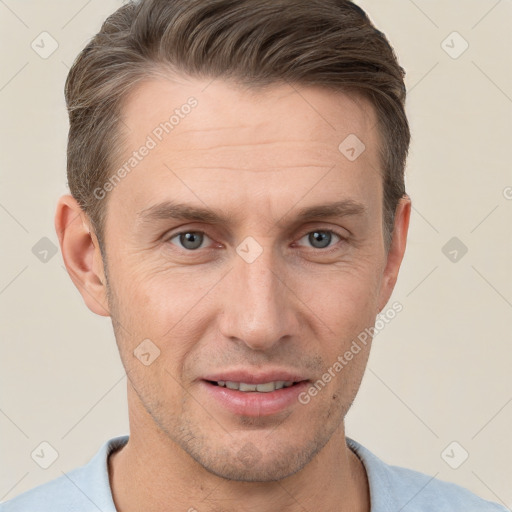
(169,210)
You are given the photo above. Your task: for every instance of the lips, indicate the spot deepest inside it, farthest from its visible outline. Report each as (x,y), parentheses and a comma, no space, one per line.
(242,392)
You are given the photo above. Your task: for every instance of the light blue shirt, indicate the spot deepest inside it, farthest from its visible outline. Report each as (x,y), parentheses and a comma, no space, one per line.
(392,489)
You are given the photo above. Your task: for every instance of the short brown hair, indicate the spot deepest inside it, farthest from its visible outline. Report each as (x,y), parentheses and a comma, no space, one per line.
(329,43)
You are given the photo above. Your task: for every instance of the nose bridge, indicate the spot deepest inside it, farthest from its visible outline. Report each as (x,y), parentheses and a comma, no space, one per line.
(257,306)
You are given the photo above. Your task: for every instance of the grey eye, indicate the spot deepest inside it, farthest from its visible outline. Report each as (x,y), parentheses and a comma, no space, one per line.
(320,239)
(190,240)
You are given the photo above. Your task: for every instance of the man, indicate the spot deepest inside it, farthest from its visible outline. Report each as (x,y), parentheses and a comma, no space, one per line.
(238,209)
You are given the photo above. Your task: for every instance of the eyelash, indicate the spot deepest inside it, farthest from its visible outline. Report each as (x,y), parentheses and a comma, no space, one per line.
(324,250)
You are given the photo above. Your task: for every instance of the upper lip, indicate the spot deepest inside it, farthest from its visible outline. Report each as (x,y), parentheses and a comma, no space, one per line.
(255,377)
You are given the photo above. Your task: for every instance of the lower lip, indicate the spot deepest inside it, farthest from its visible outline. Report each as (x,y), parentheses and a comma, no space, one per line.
(254,403)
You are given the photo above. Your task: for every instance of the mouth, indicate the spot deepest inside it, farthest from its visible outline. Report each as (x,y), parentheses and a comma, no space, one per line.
(263,397)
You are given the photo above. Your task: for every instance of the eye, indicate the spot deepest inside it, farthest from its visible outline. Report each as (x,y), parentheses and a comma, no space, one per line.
(190,240)
(194,240)
(321,238)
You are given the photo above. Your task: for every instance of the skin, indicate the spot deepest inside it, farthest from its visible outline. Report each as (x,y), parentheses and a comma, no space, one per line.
(258,157)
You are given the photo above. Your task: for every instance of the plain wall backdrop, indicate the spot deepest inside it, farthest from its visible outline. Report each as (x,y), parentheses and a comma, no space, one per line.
(439,372)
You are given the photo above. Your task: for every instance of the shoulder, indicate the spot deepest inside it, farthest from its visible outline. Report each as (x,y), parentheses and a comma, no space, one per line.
(85,488)
(397,488)
(57,495)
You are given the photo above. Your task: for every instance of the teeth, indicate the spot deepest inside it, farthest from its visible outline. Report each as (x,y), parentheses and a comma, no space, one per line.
(262,388)
(265,388)
(247,387)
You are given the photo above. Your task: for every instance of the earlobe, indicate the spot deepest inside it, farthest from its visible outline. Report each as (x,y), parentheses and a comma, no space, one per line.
(81,254)
(396,250)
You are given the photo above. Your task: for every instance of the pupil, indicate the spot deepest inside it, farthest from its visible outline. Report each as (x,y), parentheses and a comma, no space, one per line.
(191,240)
(320,236)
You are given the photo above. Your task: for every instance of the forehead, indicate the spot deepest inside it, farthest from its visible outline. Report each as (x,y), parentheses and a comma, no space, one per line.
(281,112)
(213,134)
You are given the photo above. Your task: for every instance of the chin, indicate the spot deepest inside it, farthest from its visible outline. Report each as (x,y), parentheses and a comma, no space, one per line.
(254,462)
(270,470)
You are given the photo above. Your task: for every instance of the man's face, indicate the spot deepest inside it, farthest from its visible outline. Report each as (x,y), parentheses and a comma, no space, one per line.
(261,295)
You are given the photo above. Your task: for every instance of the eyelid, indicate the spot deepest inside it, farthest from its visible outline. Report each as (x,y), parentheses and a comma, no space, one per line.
(342,233)
(333,247)
(313,226)
(168,238)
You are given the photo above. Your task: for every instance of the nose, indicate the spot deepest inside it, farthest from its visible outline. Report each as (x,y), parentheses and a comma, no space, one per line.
(258,303)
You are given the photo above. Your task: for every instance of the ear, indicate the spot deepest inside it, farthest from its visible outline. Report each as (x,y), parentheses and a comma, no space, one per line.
(396,250)
(81,254)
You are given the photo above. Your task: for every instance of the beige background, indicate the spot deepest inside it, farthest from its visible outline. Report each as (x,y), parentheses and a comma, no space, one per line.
(438,373)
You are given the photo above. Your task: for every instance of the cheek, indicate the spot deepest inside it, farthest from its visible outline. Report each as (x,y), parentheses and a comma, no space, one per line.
(344,305)
(165,306)
(155,298)
(344,298)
